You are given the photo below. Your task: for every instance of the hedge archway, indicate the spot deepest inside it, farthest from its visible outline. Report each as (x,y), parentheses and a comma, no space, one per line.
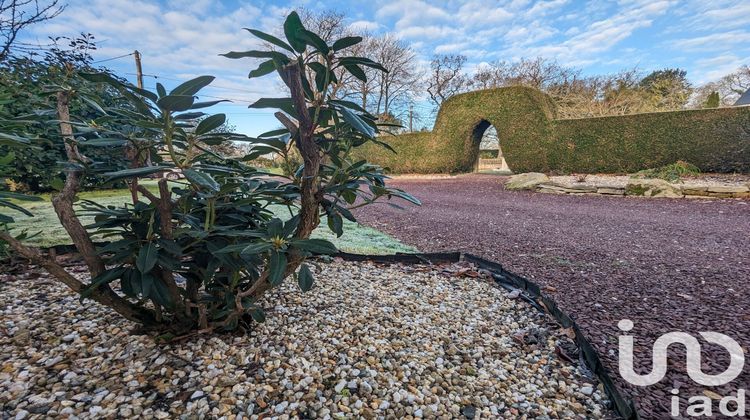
(715,140)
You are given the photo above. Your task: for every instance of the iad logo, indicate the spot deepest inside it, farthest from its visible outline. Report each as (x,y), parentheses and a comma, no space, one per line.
(693,350)
(693,354)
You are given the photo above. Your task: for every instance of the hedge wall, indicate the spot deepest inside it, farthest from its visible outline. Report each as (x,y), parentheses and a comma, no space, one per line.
(715,140)
(523,114)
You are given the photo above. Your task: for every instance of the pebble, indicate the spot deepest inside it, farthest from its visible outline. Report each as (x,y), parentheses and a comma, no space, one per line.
(368,341)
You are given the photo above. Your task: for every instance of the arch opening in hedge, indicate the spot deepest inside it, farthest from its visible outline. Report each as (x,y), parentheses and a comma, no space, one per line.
(486,137)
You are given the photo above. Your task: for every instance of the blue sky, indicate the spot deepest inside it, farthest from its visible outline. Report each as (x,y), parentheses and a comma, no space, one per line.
(182,39)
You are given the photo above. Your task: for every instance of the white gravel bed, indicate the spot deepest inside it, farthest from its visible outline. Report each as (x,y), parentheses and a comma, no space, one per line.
(369,341)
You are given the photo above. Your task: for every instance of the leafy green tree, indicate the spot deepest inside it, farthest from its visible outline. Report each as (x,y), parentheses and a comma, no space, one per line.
(713,100)
(667,89)
(12,143)
(30,80)
(201,252)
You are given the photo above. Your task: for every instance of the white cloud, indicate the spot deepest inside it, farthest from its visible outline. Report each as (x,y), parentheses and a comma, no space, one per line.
(431,32)
(482,12)
(721,40)
(364,26)
(411,12)
(710,69)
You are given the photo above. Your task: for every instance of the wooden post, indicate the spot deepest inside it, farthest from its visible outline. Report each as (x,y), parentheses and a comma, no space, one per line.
(138,69)
(411,118)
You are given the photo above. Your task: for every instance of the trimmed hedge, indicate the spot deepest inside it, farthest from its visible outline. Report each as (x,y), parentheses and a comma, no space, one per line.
(532,140)
(714,140)
(521,115)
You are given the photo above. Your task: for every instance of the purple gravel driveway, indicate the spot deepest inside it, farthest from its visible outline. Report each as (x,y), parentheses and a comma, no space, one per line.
(666,264)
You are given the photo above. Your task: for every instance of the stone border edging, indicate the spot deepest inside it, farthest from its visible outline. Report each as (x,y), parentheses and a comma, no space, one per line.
(686,191)
(639,187)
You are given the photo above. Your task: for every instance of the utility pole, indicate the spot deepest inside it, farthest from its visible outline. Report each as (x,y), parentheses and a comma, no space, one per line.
(411,118)
(138,69)
(136,159)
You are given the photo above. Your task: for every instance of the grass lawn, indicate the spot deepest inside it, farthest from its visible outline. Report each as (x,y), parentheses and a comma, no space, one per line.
(356,239)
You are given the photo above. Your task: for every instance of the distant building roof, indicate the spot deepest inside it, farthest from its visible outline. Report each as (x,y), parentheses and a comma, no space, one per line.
(744,99)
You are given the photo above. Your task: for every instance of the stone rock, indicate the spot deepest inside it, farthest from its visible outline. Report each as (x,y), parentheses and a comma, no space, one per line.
(526,181)
(652,188)
(555,188)
(610,191)
(728,189)
(469,411)
(695,190)
(514,294)
(281,407)
(340,386)
(587,390)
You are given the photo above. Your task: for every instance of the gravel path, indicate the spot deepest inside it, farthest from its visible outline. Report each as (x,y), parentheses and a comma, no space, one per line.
(367,342)
(669,265)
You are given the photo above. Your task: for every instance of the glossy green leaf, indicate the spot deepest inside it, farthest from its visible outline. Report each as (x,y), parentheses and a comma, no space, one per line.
(263,69)
(210,123)
(147,282)
(106,277)
(284,104)
(315,246)
(19,196)
(256,248)
(356,71)
(176,102)
(160,293)
(147,256)
(305,278)
(104,142)
(362,61)
(346,42)
(191,87)
(274,55)
(258,315)
(160,90)
(336,224)
(270,39)
(11,140)
(311,38)
(206,104)
(276,267)
(202,179)
(356,122)
(92,103)
(292,26)
(134,172)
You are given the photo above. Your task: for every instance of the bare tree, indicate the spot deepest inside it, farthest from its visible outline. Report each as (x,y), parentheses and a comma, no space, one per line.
(729,88)
(739,81)
(446,78)
(395,87)
(491,76)
(360,91)
(15,15)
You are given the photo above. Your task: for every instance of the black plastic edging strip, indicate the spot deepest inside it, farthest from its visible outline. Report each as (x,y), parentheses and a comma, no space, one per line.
(625,408)
(417,258)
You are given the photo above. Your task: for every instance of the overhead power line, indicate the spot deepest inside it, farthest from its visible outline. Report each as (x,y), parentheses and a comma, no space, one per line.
(156,76)
(113,58)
